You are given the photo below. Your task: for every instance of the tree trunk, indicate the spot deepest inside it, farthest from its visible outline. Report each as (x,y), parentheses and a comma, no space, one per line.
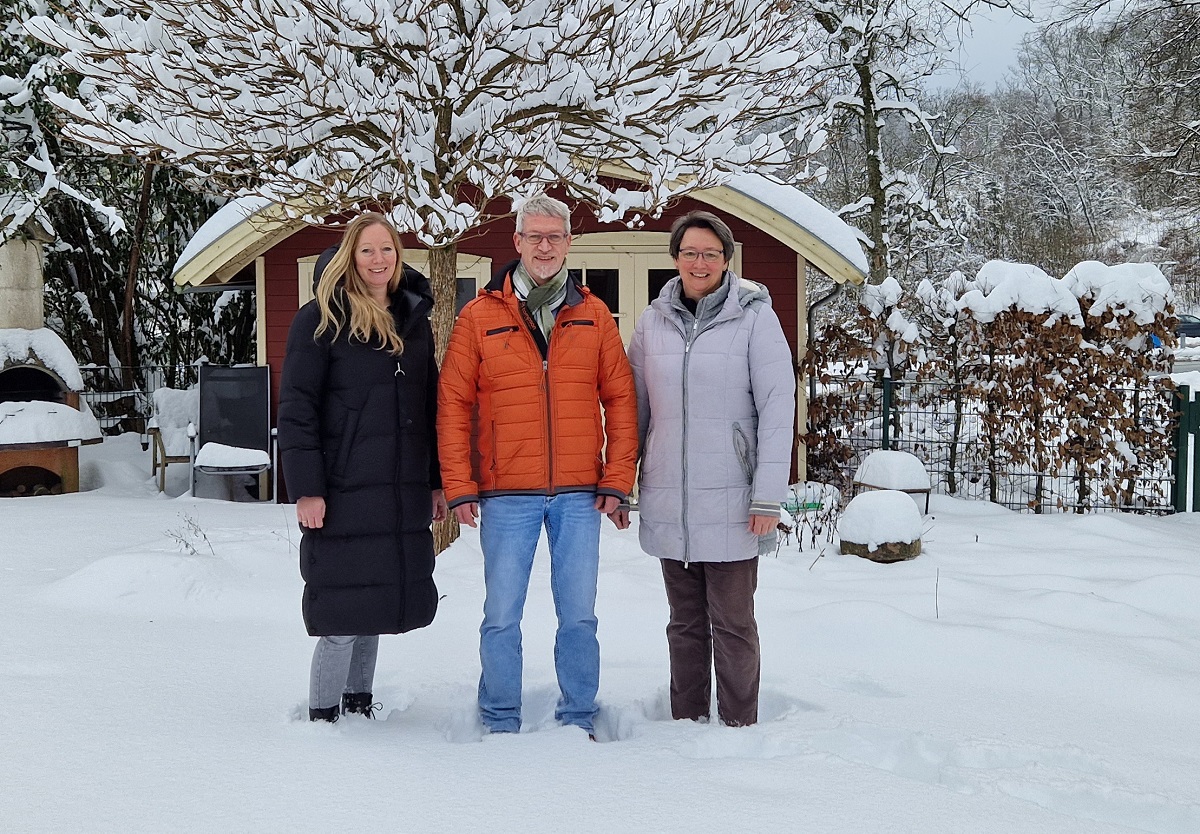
(443,278)
(128,360)
(872,140)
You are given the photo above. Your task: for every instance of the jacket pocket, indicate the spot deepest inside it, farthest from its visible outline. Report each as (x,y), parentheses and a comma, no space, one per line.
(494,454)
(349,435)
(576,336)
(649,464)
(745,455)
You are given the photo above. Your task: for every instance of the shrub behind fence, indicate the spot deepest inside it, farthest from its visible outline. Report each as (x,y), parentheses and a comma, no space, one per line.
(119,397)
(946,426)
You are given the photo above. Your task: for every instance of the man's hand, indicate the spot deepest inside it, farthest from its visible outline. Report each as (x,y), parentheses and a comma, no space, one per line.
(607,503)
(620,518)
(467,513)
(439,506)
(310,511)
(760,525)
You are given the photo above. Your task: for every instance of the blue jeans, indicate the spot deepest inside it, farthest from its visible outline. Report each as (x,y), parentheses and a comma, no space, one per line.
(509,527)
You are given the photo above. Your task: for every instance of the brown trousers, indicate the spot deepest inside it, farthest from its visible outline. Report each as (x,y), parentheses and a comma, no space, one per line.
(712,624)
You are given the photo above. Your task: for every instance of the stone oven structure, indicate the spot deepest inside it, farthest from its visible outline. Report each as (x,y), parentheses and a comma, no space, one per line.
(42,419)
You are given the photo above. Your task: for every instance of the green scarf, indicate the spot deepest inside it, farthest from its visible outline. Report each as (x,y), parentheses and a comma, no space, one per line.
(541,301)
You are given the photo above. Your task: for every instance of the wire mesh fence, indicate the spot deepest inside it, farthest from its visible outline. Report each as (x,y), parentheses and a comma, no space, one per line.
(120,397)
(971,456)
(941,423)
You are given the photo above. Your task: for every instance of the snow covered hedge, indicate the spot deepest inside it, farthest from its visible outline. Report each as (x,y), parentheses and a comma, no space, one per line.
(1058,380)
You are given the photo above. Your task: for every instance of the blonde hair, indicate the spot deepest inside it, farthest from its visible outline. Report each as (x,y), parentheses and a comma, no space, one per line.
(340,285)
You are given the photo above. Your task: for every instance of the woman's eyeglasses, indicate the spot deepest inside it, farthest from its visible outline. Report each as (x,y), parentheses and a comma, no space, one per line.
(710,257)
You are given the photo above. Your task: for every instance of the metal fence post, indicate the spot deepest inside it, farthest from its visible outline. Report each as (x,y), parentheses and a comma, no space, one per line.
(887,412)
(1179,463)
(1193,427)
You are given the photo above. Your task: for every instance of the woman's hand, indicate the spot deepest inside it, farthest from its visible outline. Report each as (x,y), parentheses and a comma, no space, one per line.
(440,511)
(761,525)
(310,511)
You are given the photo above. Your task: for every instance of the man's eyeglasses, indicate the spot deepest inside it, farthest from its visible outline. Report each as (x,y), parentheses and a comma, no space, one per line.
(535,238)
(710,257)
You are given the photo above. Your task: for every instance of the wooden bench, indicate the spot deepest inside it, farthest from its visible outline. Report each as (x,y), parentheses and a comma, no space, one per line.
(894,470)
(857,485)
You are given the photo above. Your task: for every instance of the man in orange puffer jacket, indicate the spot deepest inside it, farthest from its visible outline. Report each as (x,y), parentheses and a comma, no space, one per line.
(535,356)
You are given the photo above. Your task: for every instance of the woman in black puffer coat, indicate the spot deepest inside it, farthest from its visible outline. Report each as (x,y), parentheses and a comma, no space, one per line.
(357,405)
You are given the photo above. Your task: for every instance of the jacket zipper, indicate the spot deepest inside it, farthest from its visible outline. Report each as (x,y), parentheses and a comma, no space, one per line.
(683,509)
(546,395)
(398,389)
(549,423)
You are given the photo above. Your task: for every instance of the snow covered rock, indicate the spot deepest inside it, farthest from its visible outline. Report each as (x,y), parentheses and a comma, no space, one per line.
(882,525)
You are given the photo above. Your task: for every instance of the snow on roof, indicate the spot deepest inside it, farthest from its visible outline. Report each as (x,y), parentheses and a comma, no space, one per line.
(806,213)
(228,217)
(785,200)
(18,346)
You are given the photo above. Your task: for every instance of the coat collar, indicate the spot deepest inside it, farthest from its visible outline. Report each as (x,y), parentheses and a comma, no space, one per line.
(413,299)
(740,294)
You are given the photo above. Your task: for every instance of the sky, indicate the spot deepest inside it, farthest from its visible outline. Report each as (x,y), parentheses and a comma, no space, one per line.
(989,50)
(1022,674)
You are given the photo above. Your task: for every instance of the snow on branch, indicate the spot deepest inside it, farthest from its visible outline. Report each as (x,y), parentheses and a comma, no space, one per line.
(437,106)
(29,161)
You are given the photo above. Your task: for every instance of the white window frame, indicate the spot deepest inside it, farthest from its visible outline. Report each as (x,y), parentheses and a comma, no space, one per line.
(633,254)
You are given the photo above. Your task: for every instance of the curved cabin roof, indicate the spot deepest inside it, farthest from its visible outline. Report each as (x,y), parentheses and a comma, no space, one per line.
(249,226)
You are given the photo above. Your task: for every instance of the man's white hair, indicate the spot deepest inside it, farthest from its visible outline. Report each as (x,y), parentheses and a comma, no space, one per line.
(543,205)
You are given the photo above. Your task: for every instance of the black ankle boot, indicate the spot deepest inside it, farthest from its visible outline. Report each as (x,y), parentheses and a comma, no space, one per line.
(359,703)
(329,714)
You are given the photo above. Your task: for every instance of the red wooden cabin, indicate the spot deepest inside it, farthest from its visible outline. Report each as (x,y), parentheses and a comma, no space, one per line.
(780,233)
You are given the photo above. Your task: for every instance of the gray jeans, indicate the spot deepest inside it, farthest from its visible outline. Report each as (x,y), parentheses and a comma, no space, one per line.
(341,664)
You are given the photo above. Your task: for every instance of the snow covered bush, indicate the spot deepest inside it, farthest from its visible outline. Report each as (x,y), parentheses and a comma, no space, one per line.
(1019,388)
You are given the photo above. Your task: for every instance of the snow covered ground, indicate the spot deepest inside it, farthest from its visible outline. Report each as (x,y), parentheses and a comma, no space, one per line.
(1023,674)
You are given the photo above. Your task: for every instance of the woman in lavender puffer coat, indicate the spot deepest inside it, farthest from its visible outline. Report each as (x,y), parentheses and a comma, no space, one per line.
(716,390)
